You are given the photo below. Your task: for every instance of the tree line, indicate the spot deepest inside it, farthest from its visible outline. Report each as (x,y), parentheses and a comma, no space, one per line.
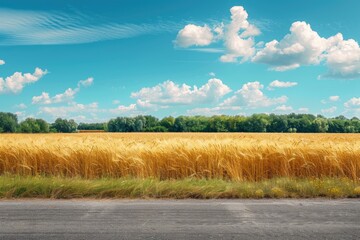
(304,123)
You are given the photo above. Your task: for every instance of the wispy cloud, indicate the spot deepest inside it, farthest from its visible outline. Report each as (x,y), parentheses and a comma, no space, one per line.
(19,27)
(208,50)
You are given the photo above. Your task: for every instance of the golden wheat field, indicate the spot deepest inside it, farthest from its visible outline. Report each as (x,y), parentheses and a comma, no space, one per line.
(230,156)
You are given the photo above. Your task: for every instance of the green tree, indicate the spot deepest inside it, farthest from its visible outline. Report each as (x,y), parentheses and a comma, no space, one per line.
(277,123)
(180,124)
(168,123)
(64,126)
(320,125)
(8,122)
(218,124)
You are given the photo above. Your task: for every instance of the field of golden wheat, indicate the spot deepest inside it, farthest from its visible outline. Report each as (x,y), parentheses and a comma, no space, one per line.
(228,156)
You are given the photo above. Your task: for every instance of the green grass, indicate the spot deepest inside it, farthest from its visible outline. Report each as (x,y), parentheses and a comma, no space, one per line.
(66,188)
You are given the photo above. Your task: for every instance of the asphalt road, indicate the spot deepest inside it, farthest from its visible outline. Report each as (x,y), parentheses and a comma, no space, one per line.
(182,219)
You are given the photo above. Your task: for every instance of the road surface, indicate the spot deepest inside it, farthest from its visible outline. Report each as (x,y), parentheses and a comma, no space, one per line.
(180,219)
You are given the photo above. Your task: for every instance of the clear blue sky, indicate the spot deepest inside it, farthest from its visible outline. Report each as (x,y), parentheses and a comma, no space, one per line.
(94,60)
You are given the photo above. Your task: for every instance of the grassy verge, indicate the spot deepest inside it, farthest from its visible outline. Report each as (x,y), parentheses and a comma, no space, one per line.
(65,188)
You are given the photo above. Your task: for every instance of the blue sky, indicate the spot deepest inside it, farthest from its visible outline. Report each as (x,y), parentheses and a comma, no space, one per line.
(95,60)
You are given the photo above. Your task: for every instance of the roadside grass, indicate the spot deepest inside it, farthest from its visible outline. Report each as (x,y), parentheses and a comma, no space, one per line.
(14,186)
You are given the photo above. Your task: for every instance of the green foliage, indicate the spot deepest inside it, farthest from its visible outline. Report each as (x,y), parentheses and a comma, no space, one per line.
(8,122)
(320,125)
(157,129)
(92,126)
(301,123)
(64,125)
(168,123)
(31,125)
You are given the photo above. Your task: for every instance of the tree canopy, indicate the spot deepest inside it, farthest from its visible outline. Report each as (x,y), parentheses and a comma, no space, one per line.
(304,123)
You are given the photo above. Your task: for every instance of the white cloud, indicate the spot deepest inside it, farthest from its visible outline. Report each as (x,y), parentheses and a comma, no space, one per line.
(251,96)
(2,62)
(283,108)
(17,81)
(342,58)
(280,84)
(124,109)
(238,36)
(87,82)
(329,110)
(302,46)
(66,96)
(169,92)
(20,27)
(330,99)
(64,111)
(115,102)
(146,104)
(44,98)
(334,98)
(212,74)
(192,35)
(353,103)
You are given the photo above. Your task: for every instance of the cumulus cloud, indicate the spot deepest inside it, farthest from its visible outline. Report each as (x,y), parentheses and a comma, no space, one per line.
(238,36)
(353,103)
(16,82)
(169,92)
(122,109)
(302,46)
(280,84)
(193,35)
(66,96)
(251,96)
(64,111)
(342,58)
(2,62)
